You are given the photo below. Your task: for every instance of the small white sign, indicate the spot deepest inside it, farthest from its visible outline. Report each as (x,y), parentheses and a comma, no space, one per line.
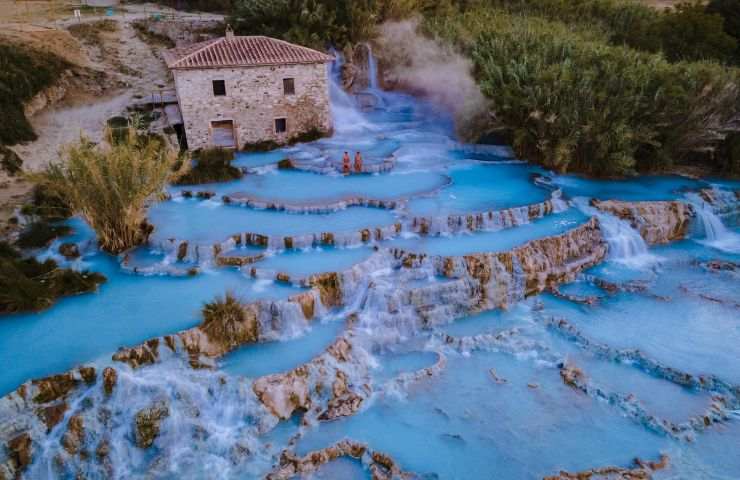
(78,14)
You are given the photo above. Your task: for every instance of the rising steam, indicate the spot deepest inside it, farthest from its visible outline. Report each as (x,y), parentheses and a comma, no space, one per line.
(421,65)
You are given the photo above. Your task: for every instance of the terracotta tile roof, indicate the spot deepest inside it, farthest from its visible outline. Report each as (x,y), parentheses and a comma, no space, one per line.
(242,52)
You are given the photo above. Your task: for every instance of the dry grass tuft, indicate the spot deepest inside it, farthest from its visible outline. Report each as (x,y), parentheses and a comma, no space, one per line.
(110,184)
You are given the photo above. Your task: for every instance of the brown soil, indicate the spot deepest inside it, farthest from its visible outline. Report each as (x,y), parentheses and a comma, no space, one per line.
(112,68)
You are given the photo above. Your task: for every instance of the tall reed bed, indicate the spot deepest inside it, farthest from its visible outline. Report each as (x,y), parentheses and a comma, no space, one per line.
(110,184)
(574,102)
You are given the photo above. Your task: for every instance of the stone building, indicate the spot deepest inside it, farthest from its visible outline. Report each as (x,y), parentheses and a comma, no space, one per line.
(238,91)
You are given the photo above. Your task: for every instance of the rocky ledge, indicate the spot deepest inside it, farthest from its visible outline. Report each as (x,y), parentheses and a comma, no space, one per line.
(507,277)
(381,466)
(642,470)
(657,222)
(334,384)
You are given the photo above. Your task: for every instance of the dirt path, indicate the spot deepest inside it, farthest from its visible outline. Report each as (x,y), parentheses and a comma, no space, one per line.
(132,68)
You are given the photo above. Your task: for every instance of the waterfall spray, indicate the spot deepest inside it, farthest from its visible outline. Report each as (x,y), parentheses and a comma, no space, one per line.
(372,69)
(716,234)
(626,245)
(345,115)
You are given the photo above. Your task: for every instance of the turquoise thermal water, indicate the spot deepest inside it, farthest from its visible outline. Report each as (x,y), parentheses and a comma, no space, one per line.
(639,188)
(467,426)
(127,310)
(469,191)
(298,187)
(299,263)
(208,221)
(494,410)
(679,327)
(280,356)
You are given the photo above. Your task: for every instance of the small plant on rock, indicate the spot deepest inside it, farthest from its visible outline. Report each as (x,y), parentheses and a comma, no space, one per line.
(212,165)
(226,322)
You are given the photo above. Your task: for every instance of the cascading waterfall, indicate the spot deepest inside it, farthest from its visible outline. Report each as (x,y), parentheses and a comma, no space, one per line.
(346,117)
(716,234)
(626,245)
(206,423)
(372,69)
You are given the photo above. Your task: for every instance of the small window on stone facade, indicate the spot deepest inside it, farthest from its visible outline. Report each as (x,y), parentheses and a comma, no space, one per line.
(219,88)
(288,86)
(281,125)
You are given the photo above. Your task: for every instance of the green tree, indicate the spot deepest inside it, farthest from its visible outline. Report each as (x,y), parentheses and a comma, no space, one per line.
(730,12)
(689,32)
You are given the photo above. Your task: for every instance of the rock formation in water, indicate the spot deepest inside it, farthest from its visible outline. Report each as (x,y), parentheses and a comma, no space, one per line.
(725,397)
(642,470)
(381,466)
(355,74)
(44,400)
(507,277)
(722,201)
(657,222)
(334,384)
(147,423)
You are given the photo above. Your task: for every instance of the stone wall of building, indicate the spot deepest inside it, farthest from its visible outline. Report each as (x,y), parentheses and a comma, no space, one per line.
(254,100)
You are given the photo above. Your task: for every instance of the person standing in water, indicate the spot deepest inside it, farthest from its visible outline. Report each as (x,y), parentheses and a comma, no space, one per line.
(358,162)
(345,163)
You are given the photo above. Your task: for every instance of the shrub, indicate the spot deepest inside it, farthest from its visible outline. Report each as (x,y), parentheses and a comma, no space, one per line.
(89,32)
(10,161)
(686,32)
(574,102)
(225,321)
(30,285)
(318,23)
(147,35)
(41,234)
(730,12)
(46,203)
(212,165)
(23,73)
(689,32)
(109,185)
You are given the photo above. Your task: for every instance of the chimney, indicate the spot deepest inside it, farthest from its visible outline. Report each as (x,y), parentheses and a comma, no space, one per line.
(229,32)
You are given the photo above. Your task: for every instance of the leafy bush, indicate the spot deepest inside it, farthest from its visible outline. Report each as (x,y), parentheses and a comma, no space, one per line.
(575,102)
(30,285)
(689,32)
(318,23)
(40,234)
(212,165)
(225,321)
(23,73)
(46,203)
(10,161)
(195,5)
(109,185)
(89,32)
(730,12)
